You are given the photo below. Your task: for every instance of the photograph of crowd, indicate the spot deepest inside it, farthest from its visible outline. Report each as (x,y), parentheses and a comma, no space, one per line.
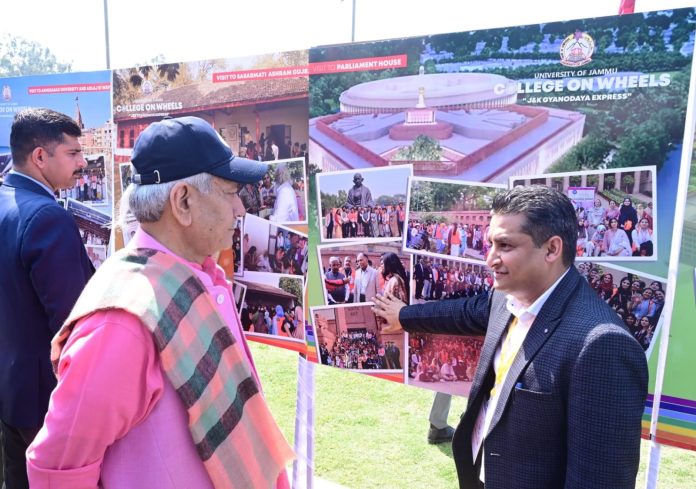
(273,305)
(444,363)
(273,249)
(281,195)
(272,148)
(94,225)
(439,279)
(636,297)
(363,204)
(92,186)
(447,218)
(615,209)
(350,337)
(357,271)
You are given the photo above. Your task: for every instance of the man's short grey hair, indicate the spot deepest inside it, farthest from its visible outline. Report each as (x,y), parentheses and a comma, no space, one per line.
(282,174)
(147,202)
(334,259)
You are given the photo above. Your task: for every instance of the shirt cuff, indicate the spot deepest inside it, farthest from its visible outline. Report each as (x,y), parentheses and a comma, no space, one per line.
(86,477)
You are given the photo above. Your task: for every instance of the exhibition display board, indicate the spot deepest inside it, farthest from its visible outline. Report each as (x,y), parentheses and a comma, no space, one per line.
(594,107)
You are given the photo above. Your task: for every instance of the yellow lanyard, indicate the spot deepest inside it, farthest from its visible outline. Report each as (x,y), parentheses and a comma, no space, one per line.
(507,355)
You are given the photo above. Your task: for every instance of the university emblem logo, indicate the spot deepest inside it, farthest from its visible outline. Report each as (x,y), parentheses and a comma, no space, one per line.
(577,49)
(6,93)
(147,87)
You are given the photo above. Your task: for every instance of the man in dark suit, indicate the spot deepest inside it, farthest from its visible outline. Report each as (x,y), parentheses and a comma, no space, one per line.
(558,395)
(43,269)
(418,273)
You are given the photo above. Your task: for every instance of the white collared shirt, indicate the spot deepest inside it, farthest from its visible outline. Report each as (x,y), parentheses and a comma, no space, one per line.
(363,280)
(525,318)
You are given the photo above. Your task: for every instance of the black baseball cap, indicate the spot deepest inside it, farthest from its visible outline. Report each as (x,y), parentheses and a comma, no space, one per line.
(176,148)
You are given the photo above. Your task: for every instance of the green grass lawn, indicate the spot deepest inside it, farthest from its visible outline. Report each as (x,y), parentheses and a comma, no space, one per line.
(372,433)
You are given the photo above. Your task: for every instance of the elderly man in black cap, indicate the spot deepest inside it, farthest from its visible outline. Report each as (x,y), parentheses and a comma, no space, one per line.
(359,195)
(156,385)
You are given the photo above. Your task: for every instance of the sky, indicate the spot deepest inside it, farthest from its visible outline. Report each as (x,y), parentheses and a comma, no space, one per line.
(140,30)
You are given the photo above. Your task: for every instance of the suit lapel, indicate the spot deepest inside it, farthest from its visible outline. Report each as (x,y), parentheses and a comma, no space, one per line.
(542,328)
(498,320)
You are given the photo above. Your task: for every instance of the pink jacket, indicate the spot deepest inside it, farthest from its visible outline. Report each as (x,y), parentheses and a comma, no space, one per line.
(114,420)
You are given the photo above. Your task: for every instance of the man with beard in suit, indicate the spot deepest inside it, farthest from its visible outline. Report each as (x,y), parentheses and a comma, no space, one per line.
(559,391)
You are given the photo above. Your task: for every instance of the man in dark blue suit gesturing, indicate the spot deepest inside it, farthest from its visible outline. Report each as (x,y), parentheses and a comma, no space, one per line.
(558,395)
(43,269)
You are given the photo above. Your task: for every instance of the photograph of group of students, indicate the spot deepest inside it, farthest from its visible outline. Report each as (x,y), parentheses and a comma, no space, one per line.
(363,204)
(443,362)
(449,218)
(443,278)
(280,196)
(616,211)
(637,298)
(269,248)
(273,305)
(92,187)
(349,336)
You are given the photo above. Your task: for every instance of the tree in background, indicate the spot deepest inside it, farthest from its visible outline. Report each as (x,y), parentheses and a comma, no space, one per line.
(22,57)
(331,201)
(424,148)
(292,286)
(129,82)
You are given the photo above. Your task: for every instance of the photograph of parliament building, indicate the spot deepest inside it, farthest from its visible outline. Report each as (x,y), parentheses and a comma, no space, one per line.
(482,133)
